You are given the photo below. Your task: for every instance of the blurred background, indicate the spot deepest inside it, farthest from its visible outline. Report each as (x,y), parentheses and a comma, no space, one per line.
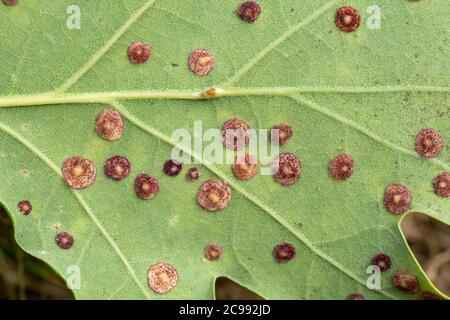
(24,277)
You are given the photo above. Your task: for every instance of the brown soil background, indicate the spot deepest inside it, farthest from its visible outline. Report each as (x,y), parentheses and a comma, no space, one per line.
(24,277)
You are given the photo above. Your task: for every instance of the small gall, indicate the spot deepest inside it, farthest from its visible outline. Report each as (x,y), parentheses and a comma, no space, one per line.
(426,295)
(429,143)
(117,168)
(347,19)
(213,251)
(64,240)
(201,62)
(172,168)
(382,261)
(79,172)
(139,52)
(397,198)
(24,207)
(109,124)
(284,134)
(341,167)
(193,174)
(405,281)
(286,169)
(25,173)
(162,277)
(441,185)
(11,2)
(236,134)
(284,252)
(245,167)
(249,11)
(146,187)
(214,195)
(355,296)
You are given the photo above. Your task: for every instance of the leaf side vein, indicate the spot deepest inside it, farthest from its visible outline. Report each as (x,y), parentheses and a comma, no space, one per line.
(277,217)
(103,50)
(332,114)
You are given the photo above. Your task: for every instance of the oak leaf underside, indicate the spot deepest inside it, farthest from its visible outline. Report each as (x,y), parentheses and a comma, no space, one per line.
(365,93)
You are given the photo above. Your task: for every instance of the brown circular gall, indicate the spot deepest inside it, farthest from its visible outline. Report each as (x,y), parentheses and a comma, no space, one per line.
(139,52)
(117,167)
(382,261)
(193,174)
(286,169)
(11,2)
(162,277)
(79,172)
(284,133)
(441,185)
(397,198)
(426,295)
(213,251)
(146,187)
(355,296)
(201,62)
(429,143)
(214,195)
(64,240)
(341,167)
(236,134)
(245,167)
(284,252)
(347,19)
(24,207)
(109,124)
(405,281)
(172,168)
(249,11)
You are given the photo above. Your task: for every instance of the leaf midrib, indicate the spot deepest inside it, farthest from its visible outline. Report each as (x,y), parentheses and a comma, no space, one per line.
(51,98)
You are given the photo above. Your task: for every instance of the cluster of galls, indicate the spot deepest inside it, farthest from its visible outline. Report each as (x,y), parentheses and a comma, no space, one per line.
(214,195)
(200,61)
(80,172)
(398,200)
(401,279)
(64,240)
(429,144)
(236,136)
(162,277)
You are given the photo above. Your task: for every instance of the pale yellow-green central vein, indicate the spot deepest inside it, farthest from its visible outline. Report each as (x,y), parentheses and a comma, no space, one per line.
(50,98)
(275,43)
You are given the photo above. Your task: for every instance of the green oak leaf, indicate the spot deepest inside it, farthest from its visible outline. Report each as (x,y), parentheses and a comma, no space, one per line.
(366,93)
